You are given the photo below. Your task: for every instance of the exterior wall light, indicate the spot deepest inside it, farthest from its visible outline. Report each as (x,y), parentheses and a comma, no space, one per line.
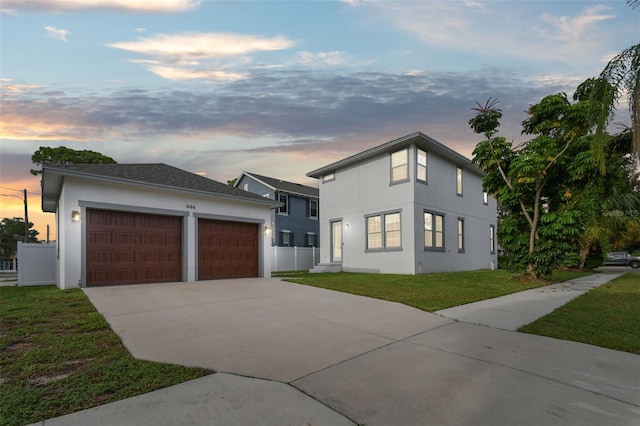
(267,230)
(75,216)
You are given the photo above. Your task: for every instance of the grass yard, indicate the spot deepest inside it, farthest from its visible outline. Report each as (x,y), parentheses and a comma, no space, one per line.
(429,292)
(608,316)
(58,355)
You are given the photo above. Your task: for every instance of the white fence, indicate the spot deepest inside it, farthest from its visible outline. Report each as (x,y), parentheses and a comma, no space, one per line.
(37,264)
(294,258)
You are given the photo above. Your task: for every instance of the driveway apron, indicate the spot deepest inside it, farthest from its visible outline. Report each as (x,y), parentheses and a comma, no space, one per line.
(375,362)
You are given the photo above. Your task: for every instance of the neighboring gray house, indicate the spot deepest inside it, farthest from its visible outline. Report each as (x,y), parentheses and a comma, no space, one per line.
(409,206)
(295,222)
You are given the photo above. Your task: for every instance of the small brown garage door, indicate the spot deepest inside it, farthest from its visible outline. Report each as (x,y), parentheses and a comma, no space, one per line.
(132,248)
(227,249)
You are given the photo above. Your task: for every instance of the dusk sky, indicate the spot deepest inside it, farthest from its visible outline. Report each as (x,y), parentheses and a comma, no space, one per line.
(279,87)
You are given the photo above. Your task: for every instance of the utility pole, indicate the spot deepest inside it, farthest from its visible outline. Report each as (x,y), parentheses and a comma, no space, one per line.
(26,218)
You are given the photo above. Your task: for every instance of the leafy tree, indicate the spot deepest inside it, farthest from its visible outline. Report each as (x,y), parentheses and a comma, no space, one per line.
(535,237)
(232,182)
(12,231)
(64,155)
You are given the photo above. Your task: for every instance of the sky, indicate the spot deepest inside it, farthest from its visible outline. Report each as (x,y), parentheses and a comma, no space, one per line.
(278,88)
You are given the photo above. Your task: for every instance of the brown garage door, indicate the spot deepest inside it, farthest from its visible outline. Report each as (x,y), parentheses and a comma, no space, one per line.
(227,249)
(132,248)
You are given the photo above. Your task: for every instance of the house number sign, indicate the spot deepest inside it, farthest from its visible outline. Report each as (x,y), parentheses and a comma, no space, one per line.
(191,206)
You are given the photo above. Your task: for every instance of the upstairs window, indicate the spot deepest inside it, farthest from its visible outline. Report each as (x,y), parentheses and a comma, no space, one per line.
(313,209)
(421,165)
(459,181)
(400,166)
(328,177)
(485,198)
(284,199)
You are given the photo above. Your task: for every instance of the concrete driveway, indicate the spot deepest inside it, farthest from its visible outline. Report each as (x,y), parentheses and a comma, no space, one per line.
(369,361)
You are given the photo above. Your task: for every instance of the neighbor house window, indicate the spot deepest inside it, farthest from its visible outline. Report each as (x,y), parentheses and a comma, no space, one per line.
(460,235)
(459,181)
(492,239)
(286,239)
(485,197)
(384,231)
(313,209)
(400,166)
(433,231)
(421,165)
(246,187)
(328,177)
(284,199)
(312,239)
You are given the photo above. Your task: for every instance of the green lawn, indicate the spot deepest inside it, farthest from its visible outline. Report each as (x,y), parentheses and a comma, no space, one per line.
(58,355)
(608,316)
(430,292)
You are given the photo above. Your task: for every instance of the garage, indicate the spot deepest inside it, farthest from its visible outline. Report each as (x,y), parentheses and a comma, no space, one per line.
(227,249)
(132,248)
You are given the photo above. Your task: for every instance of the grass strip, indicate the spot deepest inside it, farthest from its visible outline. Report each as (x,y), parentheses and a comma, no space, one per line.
(607,316)
(429,292)
(58,355)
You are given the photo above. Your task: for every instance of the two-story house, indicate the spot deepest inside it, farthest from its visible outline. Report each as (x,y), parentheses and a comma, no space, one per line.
(295,222)
(410,206)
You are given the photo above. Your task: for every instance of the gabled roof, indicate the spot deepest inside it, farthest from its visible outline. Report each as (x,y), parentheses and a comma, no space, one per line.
(420,139)
(283,185)
(159,175)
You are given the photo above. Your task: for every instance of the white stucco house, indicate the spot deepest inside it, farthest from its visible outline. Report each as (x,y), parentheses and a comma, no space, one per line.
(147,223)
(408,206)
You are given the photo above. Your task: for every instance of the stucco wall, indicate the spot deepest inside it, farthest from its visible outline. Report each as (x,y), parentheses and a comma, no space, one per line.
(80,194)
(364,189)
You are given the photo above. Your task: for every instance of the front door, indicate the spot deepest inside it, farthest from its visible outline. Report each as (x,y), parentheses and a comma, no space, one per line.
(336,241)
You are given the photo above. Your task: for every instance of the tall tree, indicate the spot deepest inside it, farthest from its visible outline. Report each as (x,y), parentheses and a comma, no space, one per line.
(518,177)
(12,231)
(64,155)
(621,77)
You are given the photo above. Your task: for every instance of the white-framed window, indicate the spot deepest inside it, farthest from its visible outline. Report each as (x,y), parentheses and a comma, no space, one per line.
(400,166)
(384,231)
(313,209)
(312,240)
(485,197)
(286,239)
(492,239)
(433,231)
(328,177)
(459,181)
(460,235)
(421,165)
(246,187)
(284,199)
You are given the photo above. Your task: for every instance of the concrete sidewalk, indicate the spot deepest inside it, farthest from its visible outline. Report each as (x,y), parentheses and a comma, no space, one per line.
(337,359)
(512,311)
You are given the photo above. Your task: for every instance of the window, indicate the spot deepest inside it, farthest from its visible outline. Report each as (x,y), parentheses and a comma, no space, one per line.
(312,240)
(421,165)
(313,209)
(328,177)
(246,187)
(384,231)
(284,199)
(485,198)
(460,235)
(459,181)
(433,231)
(492,239)
(400,166)
(286,239)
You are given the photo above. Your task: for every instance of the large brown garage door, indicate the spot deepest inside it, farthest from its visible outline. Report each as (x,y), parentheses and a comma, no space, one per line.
(227,249)
(132,248)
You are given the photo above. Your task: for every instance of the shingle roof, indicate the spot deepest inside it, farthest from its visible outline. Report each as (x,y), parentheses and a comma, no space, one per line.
(420,139)
(283,185)
(156,175)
